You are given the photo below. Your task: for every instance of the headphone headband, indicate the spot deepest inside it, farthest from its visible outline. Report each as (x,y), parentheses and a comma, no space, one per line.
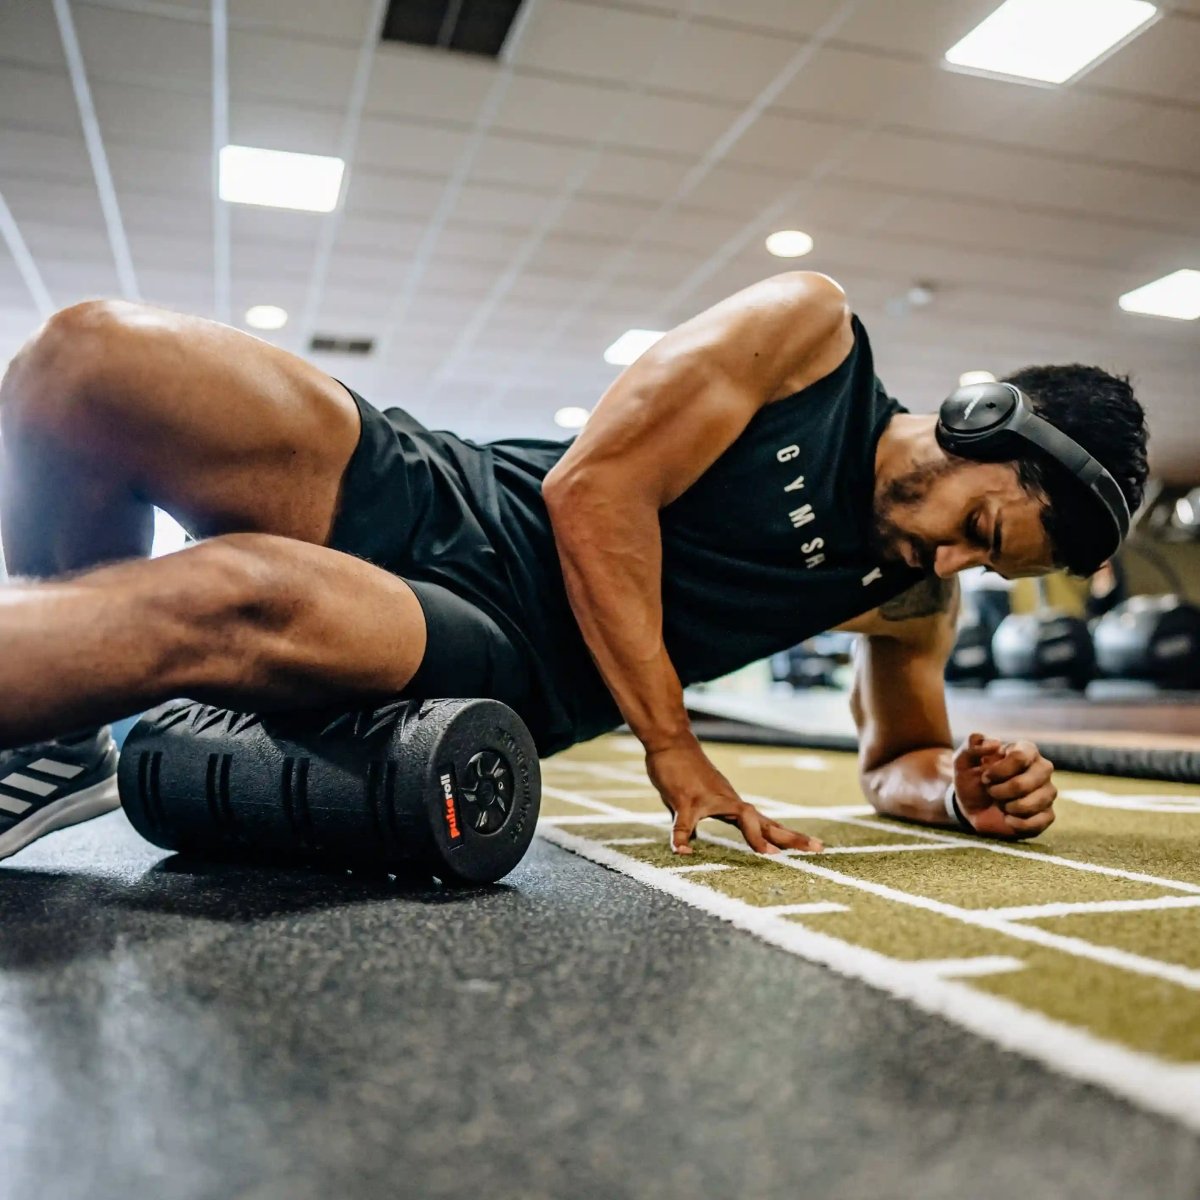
(995,422)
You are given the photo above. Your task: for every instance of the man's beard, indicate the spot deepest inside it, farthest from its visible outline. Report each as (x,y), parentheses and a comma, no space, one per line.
(904,491)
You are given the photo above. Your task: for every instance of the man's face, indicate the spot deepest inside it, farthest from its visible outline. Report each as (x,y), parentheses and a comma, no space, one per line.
(951,514)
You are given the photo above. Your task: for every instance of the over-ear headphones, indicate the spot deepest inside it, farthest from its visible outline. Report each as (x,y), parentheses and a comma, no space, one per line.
(995,422)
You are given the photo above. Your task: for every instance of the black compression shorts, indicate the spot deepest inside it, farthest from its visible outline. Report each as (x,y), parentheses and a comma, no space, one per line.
(467,652)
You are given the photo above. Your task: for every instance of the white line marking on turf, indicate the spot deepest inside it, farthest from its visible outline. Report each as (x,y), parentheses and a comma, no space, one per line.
(628,841)
(622,817)
(697,868)
(814,908)
(795,762)
(970,968)
(979,918)
(1146,804)
(882,848)
(1109,955)
(1168,1088)
(850,815)
(1033,912)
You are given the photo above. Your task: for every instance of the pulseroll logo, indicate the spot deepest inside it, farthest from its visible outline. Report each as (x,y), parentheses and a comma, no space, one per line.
(451,809)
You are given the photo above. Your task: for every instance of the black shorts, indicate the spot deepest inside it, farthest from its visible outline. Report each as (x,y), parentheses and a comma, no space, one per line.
(382,518)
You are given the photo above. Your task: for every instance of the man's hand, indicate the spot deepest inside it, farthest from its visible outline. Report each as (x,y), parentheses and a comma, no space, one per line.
(692,788)
(1004,788)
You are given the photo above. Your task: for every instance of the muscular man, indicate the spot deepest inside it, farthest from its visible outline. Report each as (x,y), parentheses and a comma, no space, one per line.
(746,483)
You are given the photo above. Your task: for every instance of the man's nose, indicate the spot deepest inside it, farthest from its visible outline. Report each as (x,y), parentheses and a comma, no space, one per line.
(949,560)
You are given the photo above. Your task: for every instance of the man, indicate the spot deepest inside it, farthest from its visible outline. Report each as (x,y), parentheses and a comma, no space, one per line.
(746,483)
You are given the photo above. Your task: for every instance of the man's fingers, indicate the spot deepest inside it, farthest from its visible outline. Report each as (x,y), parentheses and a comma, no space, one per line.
(1027,827)
(750,821)
(1016,786)
(1035,802)
(791,839)
(683,832)
(978,747)
(1017,757)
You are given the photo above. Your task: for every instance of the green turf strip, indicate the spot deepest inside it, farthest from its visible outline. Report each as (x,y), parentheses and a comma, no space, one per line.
(1144,1013)
(1169,935)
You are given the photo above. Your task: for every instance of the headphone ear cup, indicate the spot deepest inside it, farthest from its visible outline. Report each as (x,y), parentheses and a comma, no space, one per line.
(972,421)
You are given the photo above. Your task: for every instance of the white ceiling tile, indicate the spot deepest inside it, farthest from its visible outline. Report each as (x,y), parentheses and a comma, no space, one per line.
(416,81)
(37,99)
(927,28)
(512,159)
(1161,61)
(856,85)
(170,52)
(723,64)
(270,66)
(278,126)
(593,41)
(799,18)
(393,193)
(578,110)
(409,146)
(511,207)
(345,20)
(604,218)
(36,153)
(787,144)
(365,233)
(673,126)
(645,176)
(29,34)
(153,118)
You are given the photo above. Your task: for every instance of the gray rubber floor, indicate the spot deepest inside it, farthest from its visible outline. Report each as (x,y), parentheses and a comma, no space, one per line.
(171,1031)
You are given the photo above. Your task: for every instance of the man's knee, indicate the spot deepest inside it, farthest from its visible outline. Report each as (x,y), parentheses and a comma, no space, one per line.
(237,610)
(58,376)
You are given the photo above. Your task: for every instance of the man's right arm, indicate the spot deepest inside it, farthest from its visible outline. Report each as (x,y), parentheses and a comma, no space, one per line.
(656,430)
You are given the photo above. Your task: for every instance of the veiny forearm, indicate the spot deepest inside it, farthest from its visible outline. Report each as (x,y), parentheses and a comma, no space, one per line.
(611,555)
(912,786)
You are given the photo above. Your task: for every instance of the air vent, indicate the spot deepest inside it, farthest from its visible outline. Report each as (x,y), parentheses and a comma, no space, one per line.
(324,344)
(469,26)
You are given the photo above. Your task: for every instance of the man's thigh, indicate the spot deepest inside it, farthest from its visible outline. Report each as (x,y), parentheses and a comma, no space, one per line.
(228,433)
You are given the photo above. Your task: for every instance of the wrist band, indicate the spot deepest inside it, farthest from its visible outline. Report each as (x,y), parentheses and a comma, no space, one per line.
(955,812)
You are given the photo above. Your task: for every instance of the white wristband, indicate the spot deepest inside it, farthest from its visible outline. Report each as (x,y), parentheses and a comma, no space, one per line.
(954,812)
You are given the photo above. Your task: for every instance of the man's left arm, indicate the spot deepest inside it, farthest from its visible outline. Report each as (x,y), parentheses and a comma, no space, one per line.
(907,759)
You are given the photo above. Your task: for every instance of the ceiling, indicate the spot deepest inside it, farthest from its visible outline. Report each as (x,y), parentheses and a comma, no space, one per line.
(619,166)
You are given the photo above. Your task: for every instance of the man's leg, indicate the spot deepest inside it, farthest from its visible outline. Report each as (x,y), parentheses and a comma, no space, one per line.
(246,621)
(113,407)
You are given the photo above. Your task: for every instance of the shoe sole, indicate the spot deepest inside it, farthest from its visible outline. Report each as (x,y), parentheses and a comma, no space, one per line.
(74,809)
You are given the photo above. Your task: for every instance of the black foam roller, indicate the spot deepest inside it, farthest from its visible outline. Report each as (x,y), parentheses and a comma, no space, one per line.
(450,788)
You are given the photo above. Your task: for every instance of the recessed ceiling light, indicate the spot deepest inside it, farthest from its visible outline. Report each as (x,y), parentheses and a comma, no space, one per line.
(969,377)
(1049,41)
(789,243)
(266,316)
(280,179)
(571,418)
(1176,295)
(630,346)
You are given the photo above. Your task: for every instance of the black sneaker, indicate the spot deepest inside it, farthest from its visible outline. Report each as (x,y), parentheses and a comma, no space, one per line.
(52,785)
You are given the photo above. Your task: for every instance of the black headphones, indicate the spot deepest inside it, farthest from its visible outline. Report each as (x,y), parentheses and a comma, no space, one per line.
(995,422)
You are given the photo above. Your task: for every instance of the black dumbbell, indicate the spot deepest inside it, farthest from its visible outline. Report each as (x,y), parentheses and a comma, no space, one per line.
(449,788)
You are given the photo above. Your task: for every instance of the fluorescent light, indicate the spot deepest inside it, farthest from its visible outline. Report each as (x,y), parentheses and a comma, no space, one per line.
(630,346)
(280,179)
(169,535)
(969,377)
(1049,41)
(1176,295)
(571,418)
(789,243)
(266,316)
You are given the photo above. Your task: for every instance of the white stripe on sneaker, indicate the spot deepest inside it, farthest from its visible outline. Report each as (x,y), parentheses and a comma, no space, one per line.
(39,787)
(12,805)
(48,766)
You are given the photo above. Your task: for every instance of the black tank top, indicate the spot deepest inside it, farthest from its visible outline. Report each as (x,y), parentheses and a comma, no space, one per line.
(768,547)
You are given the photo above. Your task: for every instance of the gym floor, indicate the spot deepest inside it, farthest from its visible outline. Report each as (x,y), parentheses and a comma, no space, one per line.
(611,1021)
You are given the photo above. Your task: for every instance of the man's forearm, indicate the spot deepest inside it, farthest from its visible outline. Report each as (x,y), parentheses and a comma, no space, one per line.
(611,556)
(913,786)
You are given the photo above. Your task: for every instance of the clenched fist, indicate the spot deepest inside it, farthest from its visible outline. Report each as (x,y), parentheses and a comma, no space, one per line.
(1004,789)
